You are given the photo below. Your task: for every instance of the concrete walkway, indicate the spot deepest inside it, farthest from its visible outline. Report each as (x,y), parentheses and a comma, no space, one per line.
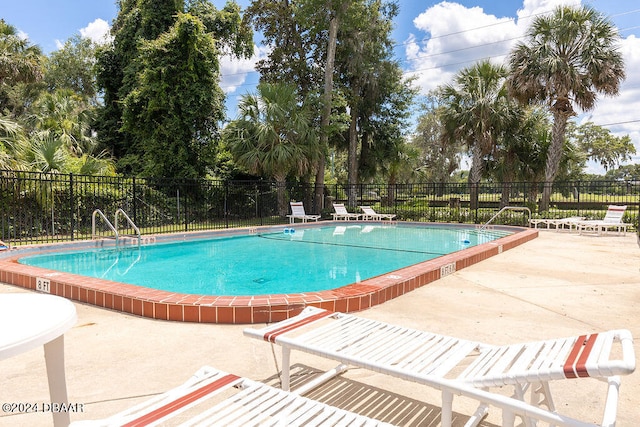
(559,284)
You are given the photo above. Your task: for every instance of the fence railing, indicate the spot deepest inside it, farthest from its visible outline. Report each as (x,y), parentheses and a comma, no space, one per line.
(39,207)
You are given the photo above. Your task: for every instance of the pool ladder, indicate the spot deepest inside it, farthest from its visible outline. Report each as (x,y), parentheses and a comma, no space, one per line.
(113,227)
(506,208)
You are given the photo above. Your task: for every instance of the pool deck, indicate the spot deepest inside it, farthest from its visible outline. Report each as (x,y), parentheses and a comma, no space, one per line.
(163,305)
(559,284)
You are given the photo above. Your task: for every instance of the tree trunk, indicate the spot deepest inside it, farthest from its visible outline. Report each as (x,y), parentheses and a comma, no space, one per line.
(281,191)
(326,111)
(475,175)
(352,158)
(561,113)
(507,181)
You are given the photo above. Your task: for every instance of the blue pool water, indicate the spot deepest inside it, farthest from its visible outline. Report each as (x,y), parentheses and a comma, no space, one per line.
(281,262)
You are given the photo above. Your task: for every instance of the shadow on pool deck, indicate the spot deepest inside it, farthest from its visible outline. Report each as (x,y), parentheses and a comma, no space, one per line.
(557,285)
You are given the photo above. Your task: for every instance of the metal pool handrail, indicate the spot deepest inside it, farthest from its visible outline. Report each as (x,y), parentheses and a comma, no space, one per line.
(93,224)
(512,208)
(135,228)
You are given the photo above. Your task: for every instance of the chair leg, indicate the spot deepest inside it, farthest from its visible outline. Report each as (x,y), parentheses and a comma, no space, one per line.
(286,368)
(543,396)
(478,416)
(447,409)
(54,360)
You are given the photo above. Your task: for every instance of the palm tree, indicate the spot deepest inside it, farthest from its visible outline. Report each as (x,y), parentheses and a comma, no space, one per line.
(68,117)
(273,136)
(20,62)
(46,153)
(476,110)
(521,151)
(12,137)
(568,57)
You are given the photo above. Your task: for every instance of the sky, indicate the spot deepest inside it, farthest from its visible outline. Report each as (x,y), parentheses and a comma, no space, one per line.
(434,40)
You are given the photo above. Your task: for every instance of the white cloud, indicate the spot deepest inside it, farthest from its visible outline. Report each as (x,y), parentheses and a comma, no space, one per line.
(22,35)
(235,71)
(98,31)
(532,8)
(457,37)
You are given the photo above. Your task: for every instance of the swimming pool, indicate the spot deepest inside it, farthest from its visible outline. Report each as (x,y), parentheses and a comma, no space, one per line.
(285,261)
(257,307)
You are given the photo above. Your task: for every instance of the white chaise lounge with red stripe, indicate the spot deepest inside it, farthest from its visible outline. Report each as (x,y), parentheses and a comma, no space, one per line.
(442,362)
(241,402)
(216,398)
(612,220)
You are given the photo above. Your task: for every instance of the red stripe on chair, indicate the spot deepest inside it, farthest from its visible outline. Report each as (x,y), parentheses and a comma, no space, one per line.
(569,372)
(272,335)
(181,402)
(581,367)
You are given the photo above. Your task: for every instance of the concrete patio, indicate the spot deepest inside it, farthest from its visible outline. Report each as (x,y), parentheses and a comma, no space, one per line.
(559,284)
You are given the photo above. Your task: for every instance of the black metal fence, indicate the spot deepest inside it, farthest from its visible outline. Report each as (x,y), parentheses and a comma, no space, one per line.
(37,207)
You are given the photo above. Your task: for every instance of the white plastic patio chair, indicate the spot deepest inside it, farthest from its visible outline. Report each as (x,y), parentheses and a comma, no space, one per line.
(297,212)
(612,219)
(434,360)
(342,213)
(369,213)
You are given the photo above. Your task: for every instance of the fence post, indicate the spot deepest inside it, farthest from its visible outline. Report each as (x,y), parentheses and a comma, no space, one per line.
(226,195)
(577,195)
(72,205)
(134,204)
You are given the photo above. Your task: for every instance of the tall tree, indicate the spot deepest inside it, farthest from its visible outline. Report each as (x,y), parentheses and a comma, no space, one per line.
(382,125)
(437,158)
(378,96)
(519,150)
(73,67)
(174,110)
(567,59)
(162,71)
(476,111)
(274,136)
(301,35)
(317,14)
(364,47)
(293,49)
(600,145)
(118,67)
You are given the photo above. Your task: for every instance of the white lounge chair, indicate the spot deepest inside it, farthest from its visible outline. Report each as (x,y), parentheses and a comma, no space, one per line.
(440,361)
(342,213)
(297,212)
(612,219)
(569,223)
(215,398)
(251,404)
(369,213)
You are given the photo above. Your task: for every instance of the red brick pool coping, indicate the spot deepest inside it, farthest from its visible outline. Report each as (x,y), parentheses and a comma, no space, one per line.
(163,305)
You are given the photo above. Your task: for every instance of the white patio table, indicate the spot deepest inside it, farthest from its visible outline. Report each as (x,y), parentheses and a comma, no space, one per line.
(30,320)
